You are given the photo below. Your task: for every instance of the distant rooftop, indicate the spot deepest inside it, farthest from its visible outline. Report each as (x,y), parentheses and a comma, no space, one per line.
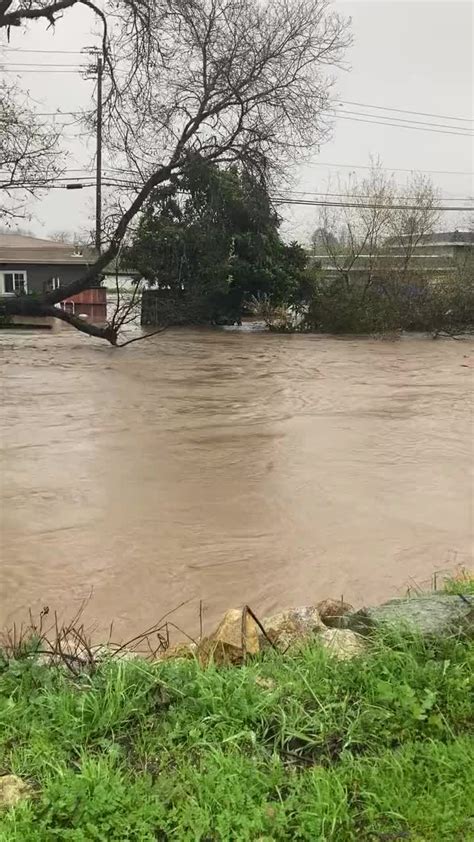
(16,248)
(443,238)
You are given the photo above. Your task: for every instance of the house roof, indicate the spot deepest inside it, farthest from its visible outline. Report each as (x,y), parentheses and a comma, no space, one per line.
(15,248)
(117,267)
(440,238)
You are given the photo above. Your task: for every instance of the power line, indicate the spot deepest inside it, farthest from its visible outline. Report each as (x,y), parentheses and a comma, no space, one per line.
(42,64)
(125,171)
(436,128)
(402,126)
(405,124)
(349,166)
(386,169)
(277,199)
(444,129)
(84,52)
(38,185)
(88,174)
(57,114)
(403,120)
(56,178)
(283,201)
(21,50)
(13,70)
(405,111)
(53,114)
(362,196)
(8,122)
(341,101)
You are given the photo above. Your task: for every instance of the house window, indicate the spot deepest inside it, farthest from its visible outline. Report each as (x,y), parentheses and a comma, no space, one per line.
(14,282)
(51,284)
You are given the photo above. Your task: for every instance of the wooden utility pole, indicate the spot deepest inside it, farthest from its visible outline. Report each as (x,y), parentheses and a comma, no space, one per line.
(98,185)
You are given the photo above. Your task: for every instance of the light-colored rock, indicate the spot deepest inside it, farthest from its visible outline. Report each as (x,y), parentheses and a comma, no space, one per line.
(332,612)
(12,790)
(342,643)
(295,625)
(265,683)
(186,650)
(430,615)
(100,652)
(75,658)
(234,638)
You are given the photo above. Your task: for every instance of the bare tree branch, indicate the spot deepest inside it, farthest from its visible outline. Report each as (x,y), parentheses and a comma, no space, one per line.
(378,240)
(29,155)
(228,80)
(141,337)
(17,14)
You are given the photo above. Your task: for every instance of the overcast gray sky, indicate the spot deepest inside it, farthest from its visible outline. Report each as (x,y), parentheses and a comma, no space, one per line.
(407,54)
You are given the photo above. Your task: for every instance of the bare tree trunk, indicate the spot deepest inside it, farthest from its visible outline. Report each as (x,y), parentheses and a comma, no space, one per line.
(28,306)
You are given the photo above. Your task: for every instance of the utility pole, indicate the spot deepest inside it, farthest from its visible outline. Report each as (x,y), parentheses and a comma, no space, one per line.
(98,188)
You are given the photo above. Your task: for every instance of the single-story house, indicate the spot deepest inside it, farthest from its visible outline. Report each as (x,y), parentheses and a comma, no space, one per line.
(455,246)
(32,265)
(436,254)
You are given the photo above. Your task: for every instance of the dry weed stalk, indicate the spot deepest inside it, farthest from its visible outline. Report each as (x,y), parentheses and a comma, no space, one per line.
(69,644)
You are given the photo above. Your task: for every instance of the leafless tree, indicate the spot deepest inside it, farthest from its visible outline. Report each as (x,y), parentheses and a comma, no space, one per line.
(230,80)
(378,229)
(18,12)
(62,237)
(416,216)
(125,310)
(361,225)
(29,153)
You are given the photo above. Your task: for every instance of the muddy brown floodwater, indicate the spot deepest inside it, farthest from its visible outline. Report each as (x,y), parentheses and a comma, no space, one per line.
(229,467)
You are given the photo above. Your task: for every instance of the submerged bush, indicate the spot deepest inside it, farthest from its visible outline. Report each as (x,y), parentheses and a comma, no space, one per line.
(387,304)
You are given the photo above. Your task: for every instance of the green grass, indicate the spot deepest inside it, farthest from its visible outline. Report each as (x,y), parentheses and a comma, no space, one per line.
(378,748)
(461,582)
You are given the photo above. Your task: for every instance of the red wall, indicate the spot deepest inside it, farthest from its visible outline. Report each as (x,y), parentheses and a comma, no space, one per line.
(90,302)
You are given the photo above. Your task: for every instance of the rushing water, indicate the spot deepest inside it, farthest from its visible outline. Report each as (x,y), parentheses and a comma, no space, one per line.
(229,467)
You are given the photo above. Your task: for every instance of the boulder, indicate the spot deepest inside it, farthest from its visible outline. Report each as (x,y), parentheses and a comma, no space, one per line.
(12,790)
(332,612)
(234,638)
(342,643)
(295,625)
(430,615)
(186,650)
